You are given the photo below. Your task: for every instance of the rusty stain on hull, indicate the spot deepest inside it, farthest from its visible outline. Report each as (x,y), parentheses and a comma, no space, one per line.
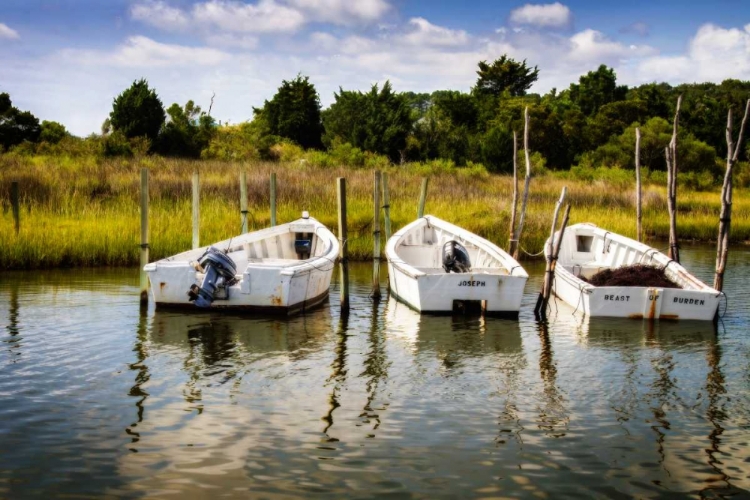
(636,316)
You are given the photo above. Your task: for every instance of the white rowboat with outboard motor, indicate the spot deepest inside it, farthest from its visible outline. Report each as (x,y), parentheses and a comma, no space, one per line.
(284,269)
(587,249)
(434,266)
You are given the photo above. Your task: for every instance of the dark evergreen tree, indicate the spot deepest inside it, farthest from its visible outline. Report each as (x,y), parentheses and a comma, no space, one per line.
(294,113)
(138,112)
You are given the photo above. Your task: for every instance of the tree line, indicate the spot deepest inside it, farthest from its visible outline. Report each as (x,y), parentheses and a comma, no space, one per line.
(589,124)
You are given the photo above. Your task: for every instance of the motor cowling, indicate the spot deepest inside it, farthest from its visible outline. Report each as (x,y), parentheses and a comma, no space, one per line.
(455,258)
(220,270)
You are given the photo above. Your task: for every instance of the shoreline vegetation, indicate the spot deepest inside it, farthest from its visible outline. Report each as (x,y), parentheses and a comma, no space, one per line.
(85,211)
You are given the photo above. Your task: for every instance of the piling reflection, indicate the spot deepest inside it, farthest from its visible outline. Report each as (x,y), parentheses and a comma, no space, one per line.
(142,376)
(553,416)
(375,370)
(338,374)
(13,328)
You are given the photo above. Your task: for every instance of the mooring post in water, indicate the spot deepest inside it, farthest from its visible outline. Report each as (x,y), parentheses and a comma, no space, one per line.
(243,200)
(273,199)
(638,187)
(343,251)
(144,234)
(553,251)
(196,210)
(512,240)
(376,236)
(386,206)
(725,219)
(15,205)
(671,155)
(526,182)
(422,198)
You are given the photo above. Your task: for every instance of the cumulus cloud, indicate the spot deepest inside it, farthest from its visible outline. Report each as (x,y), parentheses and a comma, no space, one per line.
(551,15)
(266,16)
(8,32)
(426,33)
(714,54)
(142,52)
(161,15)
(592,45)
(343,11)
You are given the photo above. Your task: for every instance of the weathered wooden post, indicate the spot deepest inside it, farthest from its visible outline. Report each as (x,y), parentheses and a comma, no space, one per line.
(15,205)
(553,251)
(422,198)
(376,237)
(243,200)
(343,251)
(386,206)
(196,210)
(273,199)
(144,234)
(638,186)
(512,241)
(671,154)
(526,181)
(725,219)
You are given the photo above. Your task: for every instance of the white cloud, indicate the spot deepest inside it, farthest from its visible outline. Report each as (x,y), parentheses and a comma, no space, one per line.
(8,32)
(142,52)
(591,46)
(266,16)
(639,28)
(426,33)
(551,15)
(714,54)
(343,11)
(229,40)
(160,14)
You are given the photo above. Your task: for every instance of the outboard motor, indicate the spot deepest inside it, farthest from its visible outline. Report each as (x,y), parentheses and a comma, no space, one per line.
(455,258)
(220,271)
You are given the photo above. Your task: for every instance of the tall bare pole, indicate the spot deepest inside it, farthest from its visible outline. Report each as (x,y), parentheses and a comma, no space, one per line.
(725,219)
(144,235)
(343,250)
(376,236)
(638,186)
(196,210)
(671,155)
(552,252)
(526,181)
(512,241)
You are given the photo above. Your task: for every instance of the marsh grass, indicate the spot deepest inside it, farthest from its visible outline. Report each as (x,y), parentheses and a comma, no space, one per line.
(86,212)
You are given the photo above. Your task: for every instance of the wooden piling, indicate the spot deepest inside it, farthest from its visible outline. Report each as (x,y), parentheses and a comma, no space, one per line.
(725,218)
(553,251)
(273,199)
(376,236)
(144,234)
(671,155)
(243,200)
(512,240)
(526,182)
(638,187)
(15,205)
(343,251)
(386,206)
(196,210)
(422,199)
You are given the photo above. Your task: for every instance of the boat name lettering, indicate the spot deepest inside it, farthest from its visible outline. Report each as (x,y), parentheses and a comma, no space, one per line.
(618,298)
(472,283)
(682,300)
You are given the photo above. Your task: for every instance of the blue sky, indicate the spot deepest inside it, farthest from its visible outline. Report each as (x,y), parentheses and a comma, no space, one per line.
(66,60)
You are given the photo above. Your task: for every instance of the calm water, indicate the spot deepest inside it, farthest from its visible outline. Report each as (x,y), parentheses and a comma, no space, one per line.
(100,398)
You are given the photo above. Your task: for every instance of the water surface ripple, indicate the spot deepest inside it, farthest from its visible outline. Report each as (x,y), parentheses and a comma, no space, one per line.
(103,398)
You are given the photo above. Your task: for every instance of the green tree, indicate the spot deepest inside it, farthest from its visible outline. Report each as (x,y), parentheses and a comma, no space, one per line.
(378,121)
(187,132)
(505,75)
(16,126)
(138,112)
(294,113)
(611,119)
(52,132)
(595,89)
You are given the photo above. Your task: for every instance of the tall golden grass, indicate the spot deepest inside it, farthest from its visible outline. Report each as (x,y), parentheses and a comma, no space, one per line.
(85,212)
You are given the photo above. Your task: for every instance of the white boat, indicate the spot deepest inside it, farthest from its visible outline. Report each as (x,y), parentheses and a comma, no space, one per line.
(587,249)
(285,269)
(484,276)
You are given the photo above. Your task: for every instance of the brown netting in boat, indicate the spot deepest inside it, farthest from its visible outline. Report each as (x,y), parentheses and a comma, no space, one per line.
(635,275)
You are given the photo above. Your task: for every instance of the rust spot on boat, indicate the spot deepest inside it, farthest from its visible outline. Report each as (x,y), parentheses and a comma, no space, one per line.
(162,285)
(652,309)
(276,301)
(636,316)
(669,316)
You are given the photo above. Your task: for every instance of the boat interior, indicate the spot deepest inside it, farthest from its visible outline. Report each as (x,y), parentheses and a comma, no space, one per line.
(422,248)
(587,249)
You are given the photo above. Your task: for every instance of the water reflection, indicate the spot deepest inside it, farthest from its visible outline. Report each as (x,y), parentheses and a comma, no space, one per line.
(553,416)
(338,374)
(13,328)
(142,376)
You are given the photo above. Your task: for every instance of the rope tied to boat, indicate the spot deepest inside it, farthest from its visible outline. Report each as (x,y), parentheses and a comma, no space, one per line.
(144,246)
